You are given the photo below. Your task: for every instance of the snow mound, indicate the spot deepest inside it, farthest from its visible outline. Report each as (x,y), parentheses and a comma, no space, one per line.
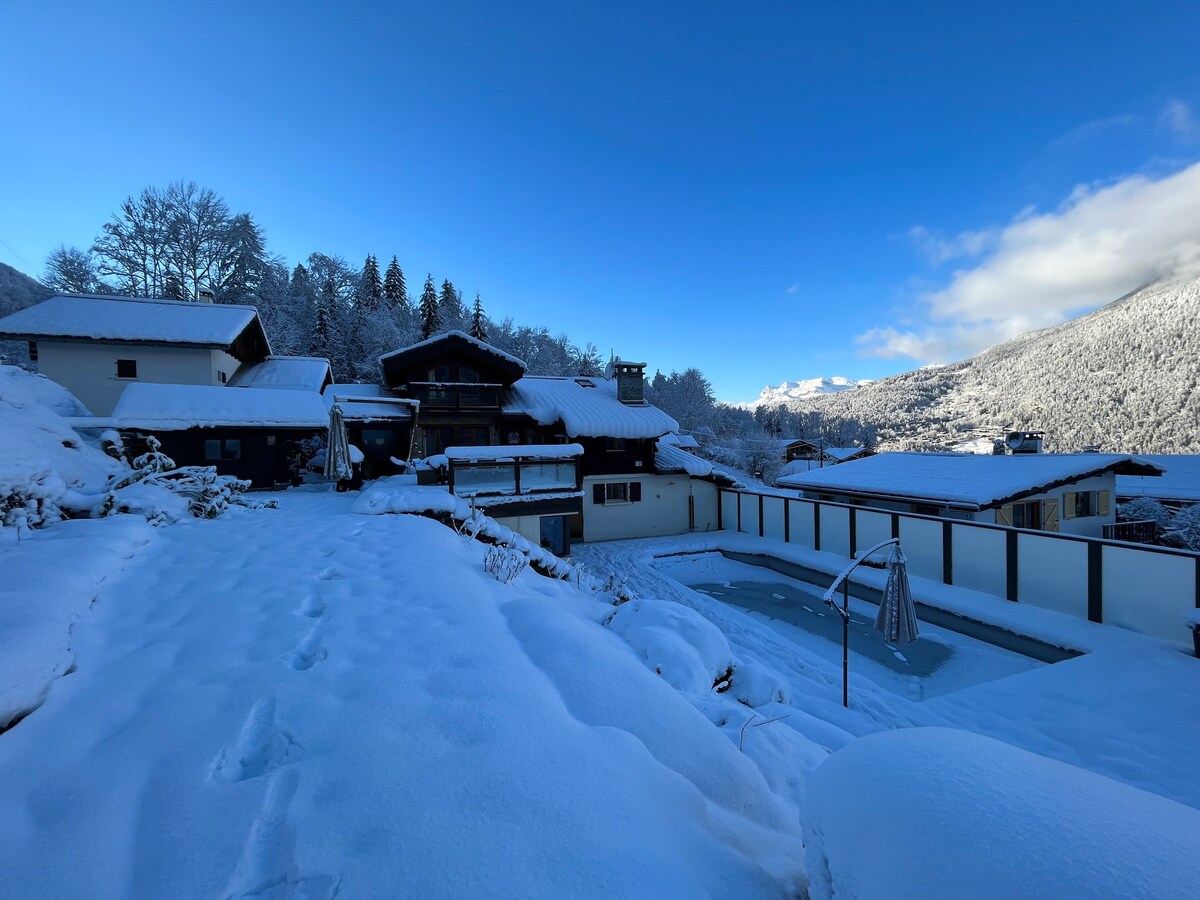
(937,813)
(43,462)
(688,651)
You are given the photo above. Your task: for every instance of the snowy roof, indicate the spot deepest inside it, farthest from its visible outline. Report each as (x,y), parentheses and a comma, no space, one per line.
(1180,479)
(965,480)
(841,453)
(289,373)
(587,407)
(461,335)
(680,440)
(133,320)
(175,407)
(510,452)
(669,458)
(368,403)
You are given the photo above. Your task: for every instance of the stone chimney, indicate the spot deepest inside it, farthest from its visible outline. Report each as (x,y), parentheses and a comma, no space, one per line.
(631,385)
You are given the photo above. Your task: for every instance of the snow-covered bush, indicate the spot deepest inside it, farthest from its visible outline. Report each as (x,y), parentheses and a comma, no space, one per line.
(1141,509)
(1184,530)
(688,651)
(504,562)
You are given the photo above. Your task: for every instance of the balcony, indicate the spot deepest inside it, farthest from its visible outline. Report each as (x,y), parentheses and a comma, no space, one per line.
(514,471)
(456,395)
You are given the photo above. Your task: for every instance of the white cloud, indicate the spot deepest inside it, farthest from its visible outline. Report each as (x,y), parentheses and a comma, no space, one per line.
(1178,120)
(1089,130)
(1042,268)
(938,249)
(793,288)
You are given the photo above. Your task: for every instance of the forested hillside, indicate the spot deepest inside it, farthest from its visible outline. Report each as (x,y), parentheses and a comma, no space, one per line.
(17,291)
(1124,377)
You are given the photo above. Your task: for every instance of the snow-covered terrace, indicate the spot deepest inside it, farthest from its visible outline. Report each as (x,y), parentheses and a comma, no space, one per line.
(177,407)
(587,407)
(963,480)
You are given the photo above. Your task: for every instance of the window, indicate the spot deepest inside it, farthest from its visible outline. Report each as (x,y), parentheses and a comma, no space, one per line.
(617,492)
(33,351)
(440,373)
(221,376)
(127,368)
(469,375)
(614,445)
(514,437)
(585,382)
(1085,504)
(1027,515)
(229,448)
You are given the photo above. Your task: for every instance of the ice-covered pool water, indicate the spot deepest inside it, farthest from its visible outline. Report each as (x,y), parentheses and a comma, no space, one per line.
(938,662)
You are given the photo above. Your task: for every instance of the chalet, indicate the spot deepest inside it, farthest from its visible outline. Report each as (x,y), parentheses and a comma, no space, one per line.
(556,458)
(250,433)
(1070,492)
(818,454)
(95,345)
(1178,486)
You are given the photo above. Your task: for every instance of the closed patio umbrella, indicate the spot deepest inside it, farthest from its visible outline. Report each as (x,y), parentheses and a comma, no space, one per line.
(337,453)
(897,617)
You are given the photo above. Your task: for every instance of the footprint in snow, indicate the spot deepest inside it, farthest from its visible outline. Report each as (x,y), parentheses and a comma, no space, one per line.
(307,652)
(329,573)
(268,867)
(260,747)
(312,607)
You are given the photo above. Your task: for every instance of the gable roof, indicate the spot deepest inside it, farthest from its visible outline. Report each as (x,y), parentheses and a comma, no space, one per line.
(177,407)
(289,373)
(451,341)
(962,480)
(587,407)
(132,320)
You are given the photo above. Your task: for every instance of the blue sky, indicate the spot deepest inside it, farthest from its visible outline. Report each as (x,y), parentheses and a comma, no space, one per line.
(777,192)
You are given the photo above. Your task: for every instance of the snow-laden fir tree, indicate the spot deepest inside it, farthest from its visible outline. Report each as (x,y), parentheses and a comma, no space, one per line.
(450,308)
(395,290)
(478,327)
(428,310)
(370,285)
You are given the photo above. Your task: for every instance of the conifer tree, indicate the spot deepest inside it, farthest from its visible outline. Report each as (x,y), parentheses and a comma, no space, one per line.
(478,329)
(450,308)
(370,290)
(429,309)
(395,291)
(318,344)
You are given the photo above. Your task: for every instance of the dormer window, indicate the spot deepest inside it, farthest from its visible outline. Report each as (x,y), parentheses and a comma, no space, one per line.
(585,382)
(127,368)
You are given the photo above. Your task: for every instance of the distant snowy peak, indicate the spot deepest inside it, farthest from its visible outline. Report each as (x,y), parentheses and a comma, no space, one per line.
(802,390)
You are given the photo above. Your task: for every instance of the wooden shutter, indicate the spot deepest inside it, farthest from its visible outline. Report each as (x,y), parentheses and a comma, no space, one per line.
(598,494)
(1068,505)
(1105,503)
(635,491)
(1004,515)
(1049,515)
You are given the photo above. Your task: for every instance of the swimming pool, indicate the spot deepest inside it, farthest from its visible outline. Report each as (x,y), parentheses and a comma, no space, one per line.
(940,661)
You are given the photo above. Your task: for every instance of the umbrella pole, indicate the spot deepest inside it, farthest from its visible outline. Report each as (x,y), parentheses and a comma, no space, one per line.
(846,644)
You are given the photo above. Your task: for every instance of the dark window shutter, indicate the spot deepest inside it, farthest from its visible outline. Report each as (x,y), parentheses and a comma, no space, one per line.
(598,493)
(635,491)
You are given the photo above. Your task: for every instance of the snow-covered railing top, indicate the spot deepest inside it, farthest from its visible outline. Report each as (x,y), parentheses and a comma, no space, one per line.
(127,319)
(513,453)
(587,407)
(969,481)
(475,342)
(176,407)
(288,373)
(373,409)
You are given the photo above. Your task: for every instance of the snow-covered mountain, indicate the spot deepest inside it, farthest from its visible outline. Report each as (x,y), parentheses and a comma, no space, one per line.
(801,390)
(1125,376)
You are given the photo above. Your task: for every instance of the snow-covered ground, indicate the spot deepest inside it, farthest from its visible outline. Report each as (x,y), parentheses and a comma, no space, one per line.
(334,698)
(305,702)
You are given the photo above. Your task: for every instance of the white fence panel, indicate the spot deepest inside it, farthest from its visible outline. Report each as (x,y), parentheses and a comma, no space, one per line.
(872,527)
(1148,592)
(773,517)
(749,507)
(980,561)
(1052,573)
(728,503)
(801,522)
(835,529)
(921,540)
